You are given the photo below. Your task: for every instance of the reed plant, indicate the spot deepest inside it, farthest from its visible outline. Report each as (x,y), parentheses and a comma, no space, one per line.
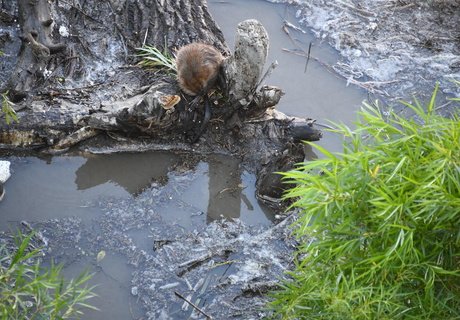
(30,291)
(379,224)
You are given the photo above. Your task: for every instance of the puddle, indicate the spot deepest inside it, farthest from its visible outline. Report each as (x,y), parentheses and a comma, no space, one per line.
(76,186)
(83,205)
(112,281)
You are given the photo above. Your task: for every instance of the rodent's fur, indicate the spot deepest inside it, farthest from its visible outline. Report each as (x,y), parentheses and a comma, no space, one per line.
(198,67)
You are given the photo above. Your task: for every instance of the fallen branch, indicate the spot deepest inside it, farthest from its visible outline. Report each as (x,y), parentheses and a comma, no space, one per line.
(193,305)
(190,264)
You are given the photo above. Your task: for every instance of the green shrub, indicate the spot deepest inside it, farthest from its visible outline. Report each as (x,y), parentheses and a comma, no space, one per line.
(383,221)
(29,291)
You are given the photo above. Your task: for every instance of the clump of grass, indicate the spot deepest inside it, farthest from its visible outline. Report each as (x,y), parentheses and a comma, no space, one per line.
(7,109)
(152,57)
(383,219)
(29,291)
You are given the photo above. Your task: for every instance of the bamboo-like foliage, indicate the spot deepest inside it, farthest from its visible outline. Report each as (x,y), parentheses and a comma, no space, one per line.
(30,291)
(379,223)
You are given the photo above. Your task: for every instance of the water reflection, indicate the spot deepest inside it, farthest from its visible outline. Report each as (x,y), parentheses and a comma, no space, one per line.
(43,189)
(224,188)
(220,189)
(132,172)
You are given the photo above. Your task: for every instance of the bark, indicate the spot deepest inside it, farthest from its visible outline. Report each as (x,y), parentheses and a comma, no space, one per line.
(35,20)
(160,23)
(174,22)
(64,70)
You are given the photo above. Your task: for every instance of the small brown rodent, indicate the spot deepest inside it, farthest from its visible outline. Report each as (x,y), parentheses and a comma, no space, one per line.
(198,67)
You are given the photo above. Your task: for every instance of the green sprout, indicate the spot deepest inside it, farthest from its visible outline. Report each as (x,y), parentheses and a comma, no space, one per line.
(154,58)
(30,291)
(8,110)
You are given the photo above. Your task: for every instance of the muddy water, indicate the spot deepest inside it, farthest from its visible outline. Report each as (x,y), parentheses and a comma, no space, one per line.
(71,199)
(71,186)
(314,92)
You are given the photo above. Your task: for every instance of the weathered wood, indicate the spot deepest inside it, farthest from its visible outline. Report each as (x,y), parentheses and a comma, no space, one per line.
(160,23)
(66,99)
(36,24)
(65,43)
(170,22)
(244,68)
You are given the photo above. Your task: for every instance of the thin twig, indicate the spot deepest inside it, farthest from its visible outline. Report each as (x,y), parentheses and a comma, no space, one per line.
(325,126)
(360,12)
(367,85)
(323,64)
(268,72)
(290,25)
(194,261)
(307,54)
(308,58)
(443,106)
(145,37)
(193,305)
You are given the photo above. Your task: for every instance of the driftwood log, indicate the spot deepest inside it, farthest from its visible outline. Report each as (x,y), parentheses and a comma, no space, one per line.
(70,69)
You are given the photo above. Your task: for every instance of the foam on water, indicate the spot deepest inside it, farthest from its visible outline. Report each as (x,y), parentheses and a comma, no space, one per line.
(406,49)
